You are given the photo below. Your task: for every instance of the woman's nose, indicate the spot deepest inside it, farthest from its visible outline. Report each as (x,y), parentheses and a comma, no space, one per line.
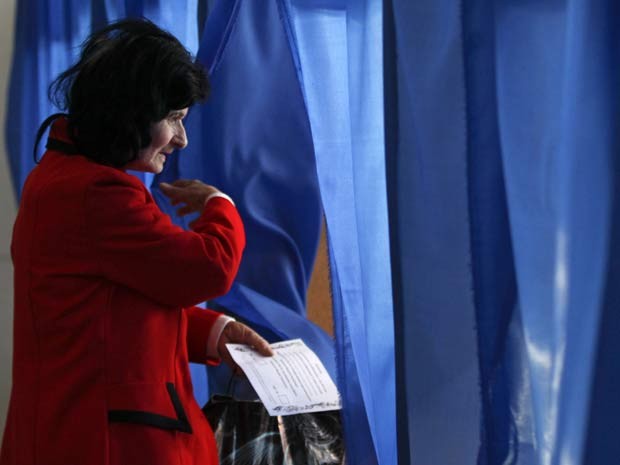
(180,138)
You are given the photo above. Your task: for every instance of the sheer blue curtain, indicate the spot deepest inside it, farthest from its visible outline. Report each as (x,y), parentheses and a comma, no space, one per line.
(437,353)
(47,39)
(557,86)
(340,57)
(525,95)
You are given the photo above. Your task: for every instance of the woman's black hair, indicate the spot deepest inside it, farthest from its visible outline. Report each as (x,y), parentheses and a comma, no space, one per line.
(130,75)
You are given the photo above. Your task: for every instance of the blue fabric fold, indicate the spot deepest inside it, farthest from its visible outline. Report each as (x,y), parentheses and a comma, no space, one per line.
(47,40)
(493,273)
(558,111)
(339,48)
(540,92)
(439,404)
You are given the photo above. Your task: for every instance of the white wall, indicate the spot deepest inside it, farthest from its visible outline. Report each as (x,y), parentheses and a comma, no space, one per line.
(7,213)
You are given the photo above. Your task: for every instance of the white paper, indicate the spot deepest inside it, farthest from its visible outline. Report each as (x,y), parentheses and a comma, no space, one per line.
(292,381)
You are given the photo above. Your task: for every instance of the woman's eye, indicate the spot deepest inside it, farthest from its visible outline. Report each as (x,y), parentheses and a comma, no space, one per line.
(175,117)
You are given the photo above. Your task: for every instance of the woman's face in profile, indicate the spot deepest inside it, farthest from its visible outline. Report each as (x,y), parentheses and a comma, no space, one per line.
(167,135)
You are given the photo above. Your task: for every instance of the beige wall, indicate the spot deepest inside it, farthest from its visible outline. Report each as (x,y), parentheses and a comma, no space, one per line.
(7,213)
(319,302)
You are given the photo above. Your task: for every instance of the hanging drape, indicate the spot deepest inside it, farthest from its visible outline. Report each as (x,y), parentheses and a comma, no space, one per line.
(47,39)
(558,112)
(340,57)
(427,177)
(510,110)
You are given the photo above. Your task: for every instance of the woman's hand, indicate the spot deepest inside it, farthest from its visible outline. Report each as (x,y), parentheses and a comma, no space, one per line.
(192,193)
(238,333)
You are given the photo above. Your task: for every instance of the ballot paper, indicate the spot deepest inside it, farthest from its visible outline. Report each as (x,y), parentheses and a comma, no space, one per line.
(292,381)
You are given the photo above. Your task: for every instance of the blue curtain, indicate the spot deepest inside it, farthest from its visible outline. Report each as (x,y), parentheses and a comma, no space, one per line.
(437,353)
(47,39)
(340,57)
(559,155)
(522,98)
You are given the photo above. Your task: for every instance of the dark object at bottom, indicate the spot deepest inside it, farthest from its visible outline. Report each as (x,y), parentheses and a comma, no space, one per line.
(246,434)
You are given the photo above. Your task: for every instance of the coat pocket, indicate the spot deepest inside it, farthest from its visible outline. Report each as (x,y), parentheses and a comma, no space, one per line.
(148,404)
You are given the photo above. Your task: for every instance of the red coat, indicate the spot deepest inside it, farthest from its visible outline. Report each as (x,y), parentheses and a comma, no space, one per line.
(104,324)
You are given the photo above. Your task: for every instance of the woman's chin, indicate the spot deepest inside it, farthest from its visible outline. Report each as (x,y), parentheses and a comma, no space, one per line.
(146,169)
(157,169)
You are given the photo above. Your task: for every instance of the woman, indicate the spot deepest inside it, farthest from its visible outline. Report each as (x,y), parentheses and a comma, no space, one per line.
(105,284)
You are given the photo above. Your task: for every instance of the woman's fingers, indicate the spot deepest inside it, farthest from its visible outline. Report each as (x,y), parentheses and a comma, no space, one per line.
(248,336)
(170,191)
(259,344)
(185,182)
(239,333)
(192,193)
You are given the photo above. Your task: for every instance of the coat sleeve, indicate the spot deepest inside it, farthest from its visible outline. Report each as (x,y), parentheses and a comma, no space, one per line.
(199,324)
(136,245)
